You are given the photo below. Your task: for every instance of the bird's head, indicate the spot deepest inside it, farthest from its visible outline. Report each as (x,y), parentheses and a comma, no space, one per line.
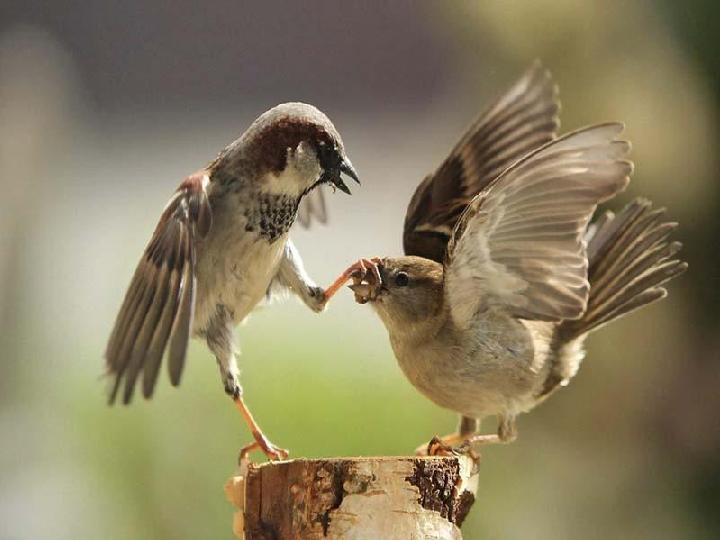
(294,147)
(405,291)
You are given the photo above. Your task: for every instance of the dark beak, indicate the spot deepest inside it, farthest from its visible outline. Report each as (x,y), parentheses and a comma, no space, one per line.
(347,168)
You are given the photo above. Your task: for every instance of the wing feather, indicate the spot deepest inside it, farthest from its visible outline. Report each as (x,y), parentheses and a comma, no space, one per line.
(156,314)
(521,120)
(520,243)
(183,321)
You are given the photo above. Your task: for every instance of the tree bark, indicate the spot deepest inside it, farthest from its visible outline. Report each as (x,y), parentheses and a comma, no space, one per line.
(353,498)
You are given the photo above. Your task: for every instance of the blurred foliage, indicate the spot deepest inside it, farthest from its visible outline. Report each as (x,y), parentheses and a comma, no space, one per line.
(104,108)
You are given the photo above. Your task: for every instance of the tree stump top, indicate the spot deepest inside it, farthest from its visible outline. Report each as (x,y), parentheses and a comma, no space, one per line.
(374,497)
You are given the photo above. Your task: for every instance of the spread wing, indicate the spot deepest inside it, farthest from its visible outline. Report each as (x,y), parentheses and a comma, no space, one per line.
(158,308)
(522,120)
(312,208)
(520,243)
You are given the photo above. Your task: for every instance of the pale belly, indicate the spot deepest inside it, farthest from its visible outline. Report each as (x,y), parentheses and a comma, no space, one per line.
(478,375)
(234,274)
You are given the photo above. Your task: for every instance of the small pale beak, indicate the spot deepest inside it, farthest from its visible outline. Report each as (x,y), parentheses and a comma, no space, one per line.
(362,292)
(363,289)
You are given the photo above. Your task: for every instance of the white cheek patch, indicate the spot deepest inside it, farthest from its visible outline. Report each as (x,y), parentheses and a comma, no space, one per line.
(301,171)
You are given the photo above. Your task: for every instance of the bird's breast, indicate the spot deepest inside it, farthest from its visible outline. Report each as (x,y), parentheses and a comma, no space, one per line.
(244,202)
(485,370)
(271,216)
(236,263)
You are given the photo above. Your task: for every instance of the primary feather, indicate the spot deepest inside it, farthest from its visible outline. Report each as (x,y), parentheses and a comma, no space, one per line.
(158,308)
(520,245)
(521,120)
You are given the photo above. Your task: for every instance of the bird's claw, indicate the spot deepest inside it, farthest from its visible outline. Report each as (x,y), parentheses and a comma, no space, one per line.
(262,443)
(357,272)
(367,279)
(439,447)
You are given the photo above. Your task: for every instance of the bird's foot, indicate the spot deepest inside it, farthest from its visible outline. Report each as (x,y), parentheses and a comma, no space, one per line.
(439,446)
(316,298)
(357,272)
(448,446)
(367,280)
(466,449)
(436,447)
(454,445)
(261,442)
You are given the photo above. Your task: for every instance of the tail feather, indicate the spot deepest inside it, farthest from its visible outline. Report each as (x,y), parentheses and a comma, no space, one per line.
(630,259)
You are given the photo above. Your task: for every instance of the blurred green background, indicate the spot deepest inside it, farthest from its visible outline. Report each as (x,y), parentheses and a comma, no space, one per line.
(106,106)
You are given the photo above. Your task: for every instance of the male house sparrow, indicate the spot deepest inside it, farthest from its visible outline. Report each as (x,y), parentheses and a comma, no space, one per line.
(503,278)
(221,243)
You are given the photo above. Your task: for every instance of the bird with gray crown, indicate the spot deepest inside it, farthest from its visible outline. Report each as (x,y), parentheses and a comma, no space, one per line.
(221,246)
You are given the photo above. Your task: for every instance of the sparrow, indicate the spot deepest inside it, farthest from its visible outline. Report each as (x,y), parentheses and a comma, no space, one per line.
(221,247)
(503,277)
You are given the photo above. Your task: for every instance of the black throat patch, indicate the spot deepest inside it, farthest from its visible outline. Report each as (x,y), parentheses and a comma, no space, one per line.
(272,215)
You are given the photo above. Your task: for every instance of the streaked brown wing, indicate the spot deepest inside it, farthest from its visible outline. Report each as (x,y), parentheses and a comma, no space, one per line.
(521,120)
(157,312)
(520,244)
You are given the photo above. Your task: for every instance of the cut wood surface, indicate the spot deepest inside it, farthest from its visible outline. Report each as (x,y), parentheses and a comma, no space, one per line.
(353,498)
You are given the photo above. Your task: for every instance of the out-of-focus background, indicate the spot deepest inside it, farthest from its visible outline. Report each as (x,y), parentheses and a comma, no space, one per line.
(105,106)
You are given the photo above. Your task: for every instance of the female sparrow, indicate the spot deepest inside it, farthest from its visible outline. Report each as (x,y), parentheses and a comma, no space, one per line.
(503,278)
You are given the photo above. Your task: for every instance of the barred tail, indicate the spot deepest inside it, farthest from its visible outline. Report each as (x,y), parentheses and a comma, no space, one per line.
(630,259)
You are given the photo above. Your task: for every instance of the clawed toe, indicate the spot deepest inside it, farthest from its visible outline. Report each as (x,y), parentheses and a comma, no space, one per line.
(261,442)
(436,447)
(446,446)
(271,451)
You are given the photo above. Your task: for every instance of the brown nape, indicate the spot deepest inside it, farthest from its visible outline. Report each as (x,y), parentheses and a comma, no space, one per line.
(270,145)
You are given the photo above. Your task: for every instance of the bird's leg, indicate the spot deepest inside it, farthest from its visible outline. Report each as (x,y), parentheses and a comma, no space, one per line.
(292,274)
(261,441)
(507,428)
(466,438)
(507,433)
(219,335)
(439,446)
(341,280)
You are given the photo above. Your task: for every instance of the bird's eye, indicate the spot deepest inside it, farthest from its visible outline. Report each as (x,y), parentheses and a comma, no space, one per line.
(401,279)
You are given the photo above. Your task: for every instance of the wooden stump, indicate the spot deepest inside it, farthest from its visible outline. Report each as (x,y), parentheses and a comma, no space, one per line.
(353,498)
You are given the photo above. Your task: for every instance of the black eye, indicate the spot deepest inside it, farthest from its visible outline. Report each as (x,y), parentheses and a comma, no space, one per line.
(401,279)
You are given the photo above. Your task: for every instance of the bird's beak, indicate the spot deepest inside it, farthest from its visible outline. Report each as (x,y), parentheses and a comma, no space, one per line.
(361,289)
(368,286)
(346,167)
